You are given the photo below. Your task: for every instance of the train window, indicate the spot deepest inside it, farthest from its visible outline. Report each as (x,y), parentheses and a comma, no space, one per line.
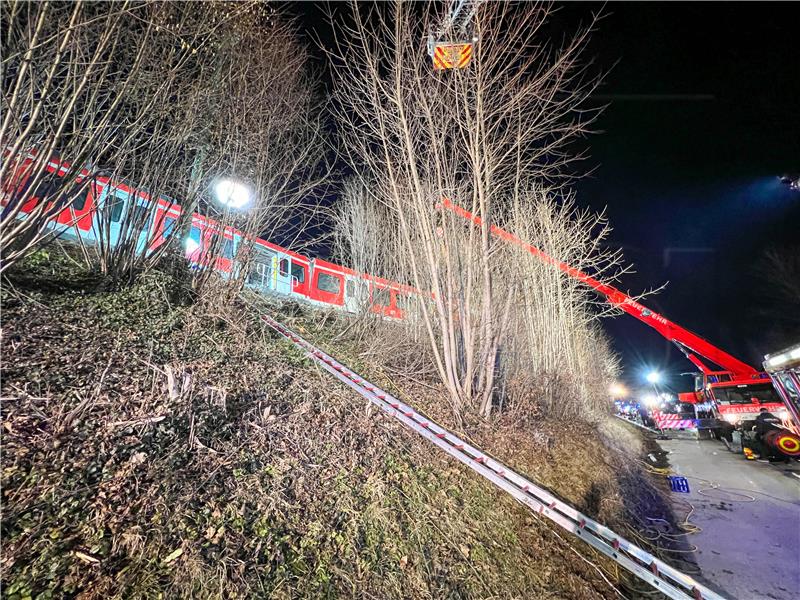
(167,227)
(224,248)
(328,283)
(79,202)
(52,184)
(283,267)
(350,288)
(298,272)
(227,248)
(381,297)
(47,187)
(116,206)
(193,241)
(141,218)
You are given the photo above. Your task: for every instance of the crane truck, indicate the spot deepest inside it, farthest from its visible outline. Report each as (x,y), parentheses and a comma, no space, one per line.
(731,391)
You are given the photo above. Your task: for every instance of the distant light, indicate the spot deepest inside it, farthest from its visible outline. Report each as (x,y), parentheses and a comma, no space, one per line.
(232,194)
(653,377)
(617,390)
(191,246)
(793,181)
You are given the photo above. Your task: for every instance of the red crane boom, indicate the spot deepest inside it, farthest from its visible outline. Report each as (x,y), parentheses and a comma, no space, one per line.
(691,344)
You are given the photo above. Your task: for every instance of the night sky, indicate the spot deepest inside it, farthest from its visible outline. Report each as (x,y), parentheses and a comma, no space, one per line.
(691,184)
(704,115)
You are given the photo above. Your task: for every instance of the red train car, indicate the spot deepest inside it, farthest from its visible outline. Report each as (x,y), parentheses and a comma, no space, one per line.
(271,268)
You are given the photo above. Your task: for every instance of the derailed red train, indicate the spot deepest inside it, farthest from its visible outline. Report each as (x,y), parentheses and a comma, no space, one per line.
(271,268)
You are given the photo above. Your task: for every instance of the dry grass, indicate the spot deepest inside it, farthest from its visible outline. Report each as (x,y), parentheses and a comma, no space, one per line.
(246,473)
(597,464)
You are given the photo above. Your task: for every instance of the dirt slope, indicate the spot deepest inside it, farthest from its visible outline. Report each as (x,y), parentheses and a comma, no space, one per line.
(153,448)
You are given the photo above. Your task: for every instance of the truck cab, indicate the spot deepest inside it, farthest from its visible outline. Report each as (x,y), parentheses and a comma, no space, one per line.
(737,401)
(730,401)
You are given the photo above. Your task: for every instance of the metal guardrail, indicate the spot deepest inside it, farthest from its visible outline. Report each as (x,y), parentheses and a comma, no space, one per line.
(645,566)
(639,425)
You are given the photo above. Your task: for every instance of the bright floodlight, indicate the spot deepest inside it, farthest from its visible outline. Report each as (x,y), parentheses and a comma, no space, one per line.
(232,194)
(653,377)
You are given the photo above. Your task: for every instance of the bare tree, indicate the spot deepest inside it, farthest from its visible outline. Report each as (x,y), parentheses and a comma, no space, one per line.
(557,347)
(484,136)
(67,69)
(155,162)
(358,229)
(266,131)
(177,96)
(777,299)
(247,112)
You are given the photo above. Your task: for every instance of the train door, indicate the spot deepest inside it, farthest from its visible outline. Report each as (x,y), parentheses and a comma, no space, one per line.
(299,277)
(356,294)
(121,220)
(269,271)
(259,268)
(283,276)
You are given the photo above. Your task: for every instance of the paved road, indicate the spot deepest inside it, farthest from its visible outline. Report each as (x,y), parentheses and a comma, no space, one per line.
(747,549)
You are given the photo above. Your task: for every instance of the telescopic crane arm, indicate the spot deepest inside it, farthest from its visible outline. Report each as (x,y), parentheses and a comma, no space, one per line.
(692,345)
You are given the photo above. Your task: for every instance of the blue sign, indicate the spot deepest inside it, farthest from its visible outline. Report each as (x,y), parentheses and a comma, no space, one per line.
(678,484)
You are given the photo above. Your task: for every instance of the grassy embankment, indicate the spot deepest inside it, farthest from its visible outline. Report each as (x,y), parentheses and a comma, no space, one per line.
(155,446)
